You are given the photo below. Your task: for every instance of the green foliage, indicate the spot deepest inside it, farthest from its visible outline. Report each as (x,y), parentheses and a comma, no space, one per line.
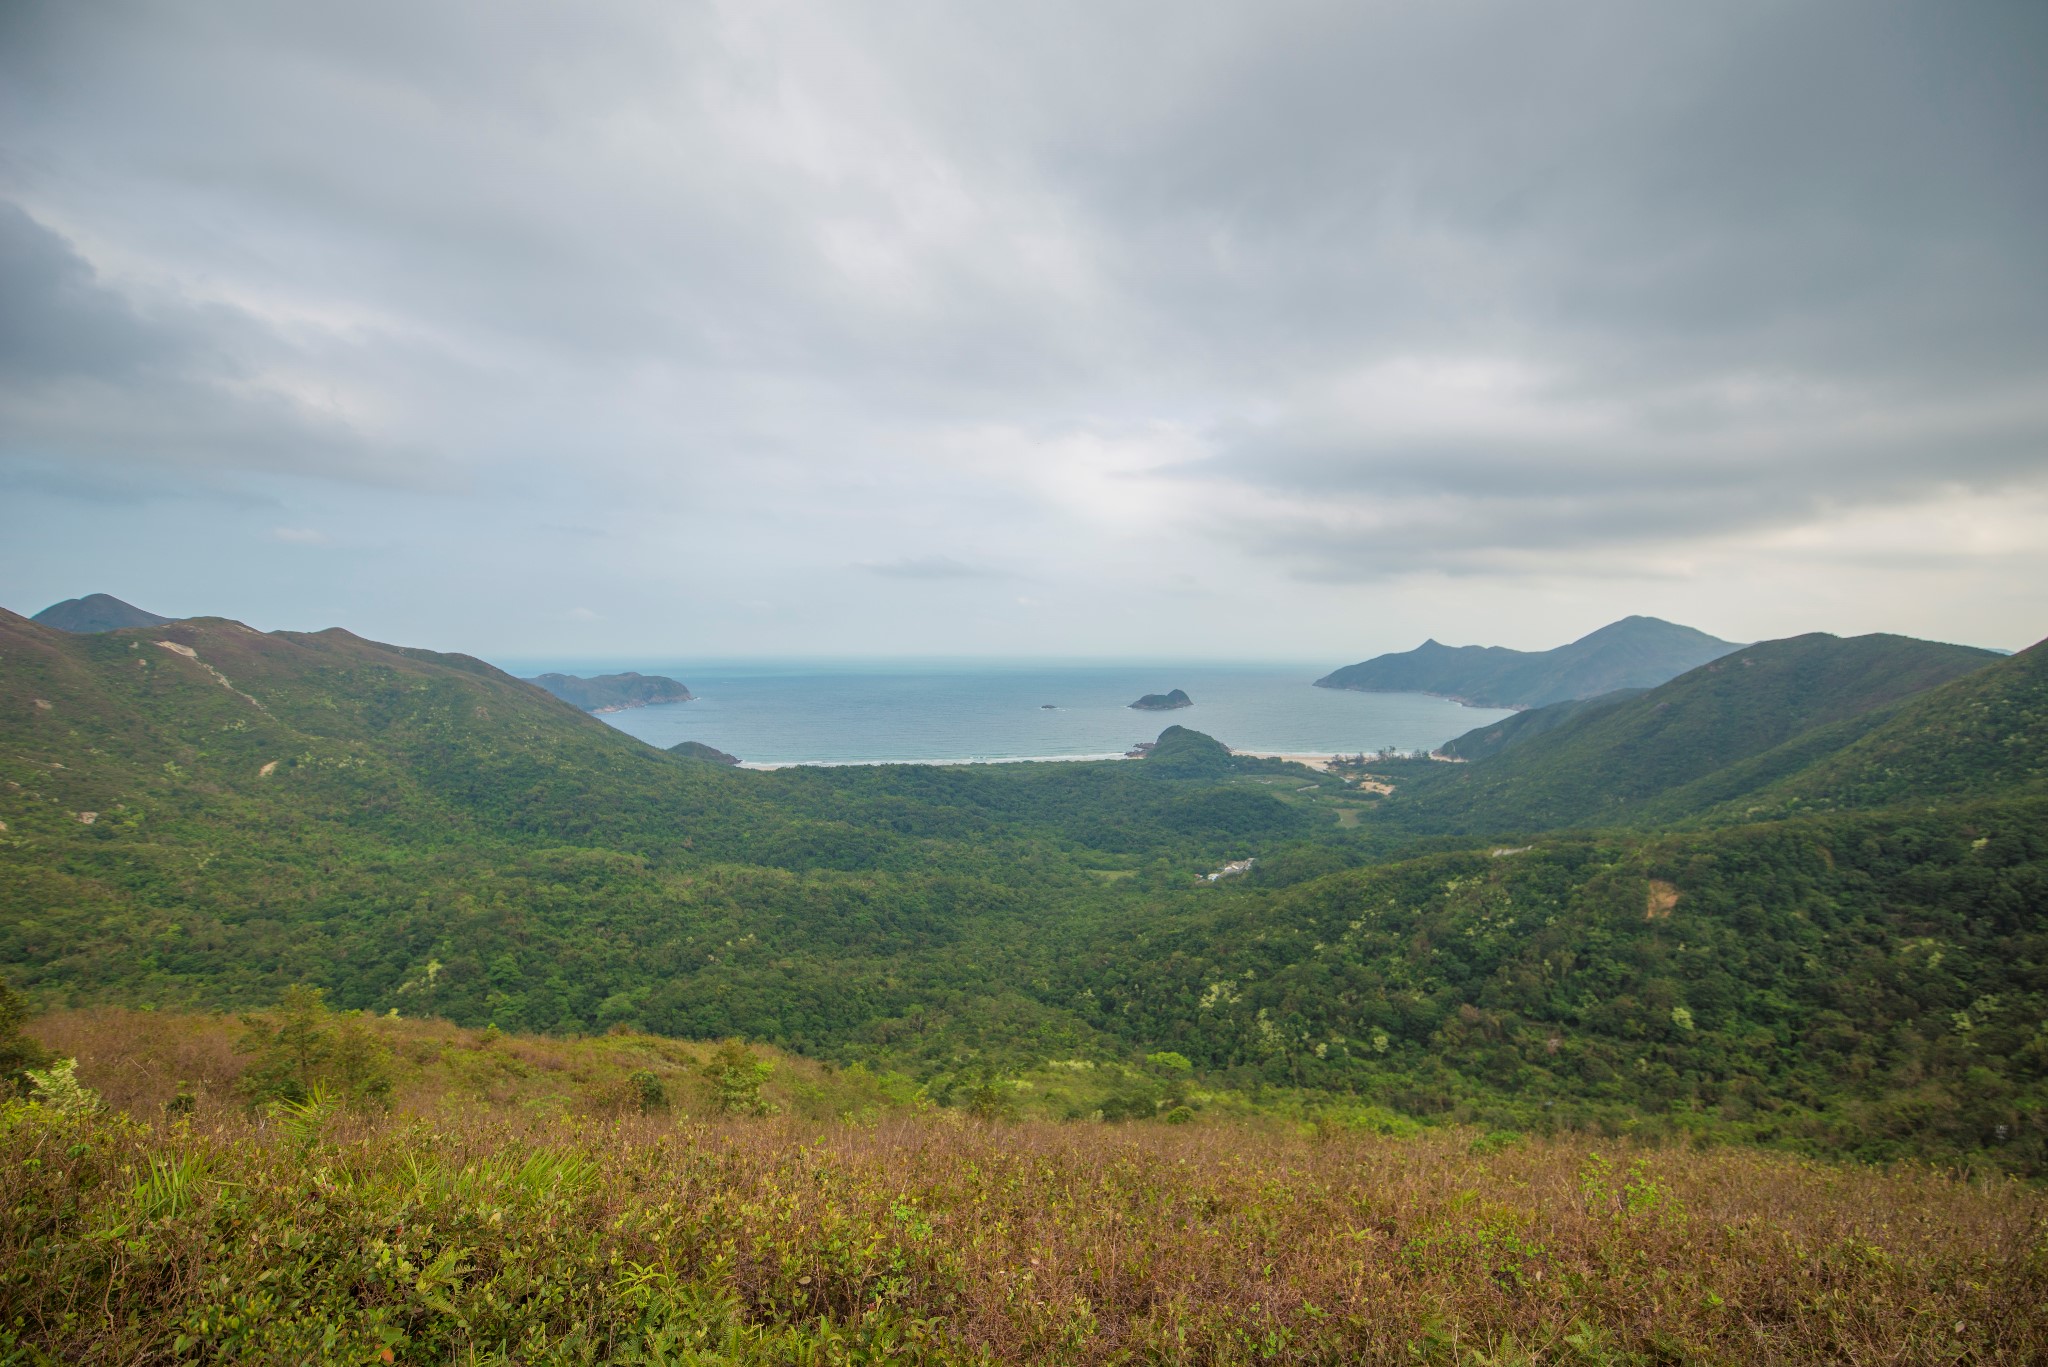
(304,1047)
(1637,1195)
(736,1078)
(303,1120)
(409,832)
(1183,753)
(58,1089)
(648,1091)
(990,1100)
(1986,733)
(1485,742)
(1726,729)
(698,750)
(18,1053)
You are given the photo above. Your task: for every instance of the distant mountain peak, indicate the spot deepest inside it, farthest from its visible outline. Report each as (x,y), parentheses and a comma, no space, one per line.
(96,612)
(1634,652)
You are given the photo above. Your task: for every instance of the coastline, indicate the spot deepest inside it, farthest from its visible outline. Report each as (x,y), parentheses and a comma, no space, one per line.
(768,764)
(1426,693)
(827,719)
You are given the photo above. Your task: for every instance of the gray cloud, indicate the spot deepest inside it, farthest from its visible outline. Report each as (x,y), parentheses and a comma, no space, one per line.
(1115,296)
(87,375)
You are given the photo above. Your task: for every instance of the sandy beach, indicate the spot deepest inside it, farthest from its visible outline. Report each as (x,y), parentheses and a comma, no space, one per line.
(1320,762)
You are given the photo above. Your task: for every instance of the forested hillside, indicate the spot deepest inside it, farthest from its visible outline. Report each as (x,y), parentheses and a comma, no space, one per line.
(1730,727)
(202,815)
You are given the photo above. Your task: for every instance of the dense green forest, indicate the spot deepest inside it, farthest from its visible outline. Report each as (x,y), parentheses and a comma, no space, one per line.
(1808,910)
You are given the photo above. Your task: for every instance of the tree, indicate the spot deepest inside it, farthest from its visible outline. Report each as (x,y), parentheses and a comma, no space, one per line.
(18,1053)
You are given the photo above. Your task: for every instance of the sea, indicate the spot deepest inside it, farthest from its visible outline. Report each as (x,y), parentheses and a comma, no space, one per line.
(784,712)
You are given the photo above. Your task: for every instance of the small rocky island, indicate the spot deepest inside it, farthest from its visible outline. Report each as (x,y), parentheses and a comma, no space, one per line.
(1163,702)
(613,692)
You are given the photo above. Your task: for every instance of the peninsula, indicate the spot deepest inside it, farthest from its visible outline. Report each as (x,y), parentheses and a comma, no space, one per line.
(613,692)
(1636,652)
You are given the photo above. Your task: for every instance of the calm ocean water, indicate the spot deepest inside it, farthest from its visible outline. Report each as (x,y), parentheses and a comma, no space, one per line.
(866,712)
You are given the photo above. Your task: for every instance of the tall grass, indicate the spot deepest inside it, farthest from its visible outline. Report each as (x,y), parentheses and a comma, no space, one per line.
(515,1233)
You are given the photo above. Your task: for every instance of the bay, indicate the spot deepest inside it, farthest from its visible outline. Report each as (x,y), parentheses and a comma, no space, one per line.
(782,712)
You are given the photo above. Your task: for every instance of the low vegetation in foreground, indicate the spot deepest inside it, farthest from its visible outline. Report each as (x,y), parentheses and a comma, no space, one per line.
(309,1187)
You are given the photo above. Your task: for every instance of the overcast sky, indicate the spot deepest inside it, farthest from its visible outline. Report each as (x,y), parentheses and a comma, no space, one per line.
(1265,330)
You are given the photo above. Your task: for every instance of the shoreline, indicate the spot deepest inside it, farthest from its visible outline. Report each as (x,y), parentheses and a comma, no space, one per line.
(767,764)
(1316,760)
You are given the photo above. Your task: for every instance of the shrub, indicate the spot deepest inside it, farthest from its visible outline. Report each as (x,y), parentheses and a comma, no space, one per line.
(736,1078)
(58,1089)
(303,1046)
(648,1091)
(18,1053)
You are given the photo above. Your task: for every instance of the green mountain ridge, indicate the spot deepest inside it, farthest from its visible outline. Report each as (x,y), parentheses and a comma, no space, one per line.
(1485,742)
(1735,725)
(1635,652)
(1982,734)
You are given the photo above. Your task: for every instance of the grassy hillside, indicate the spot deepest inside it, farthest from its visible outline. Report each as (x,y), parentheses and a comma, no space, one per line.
(1636,652)
(1634,762)
(467,1225)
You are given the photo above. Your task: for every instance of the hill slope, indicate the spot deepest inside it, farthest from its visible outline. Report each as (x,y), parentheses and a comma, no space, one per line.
(1636,652)
(200,813)
(1985,733)
(1484,742)
(204,813)
(96,612)
(1771,709)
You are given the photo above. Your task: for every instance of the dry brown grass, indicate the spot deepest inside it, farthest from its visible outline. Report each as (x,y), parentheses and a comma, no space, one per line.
(1048,1243)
